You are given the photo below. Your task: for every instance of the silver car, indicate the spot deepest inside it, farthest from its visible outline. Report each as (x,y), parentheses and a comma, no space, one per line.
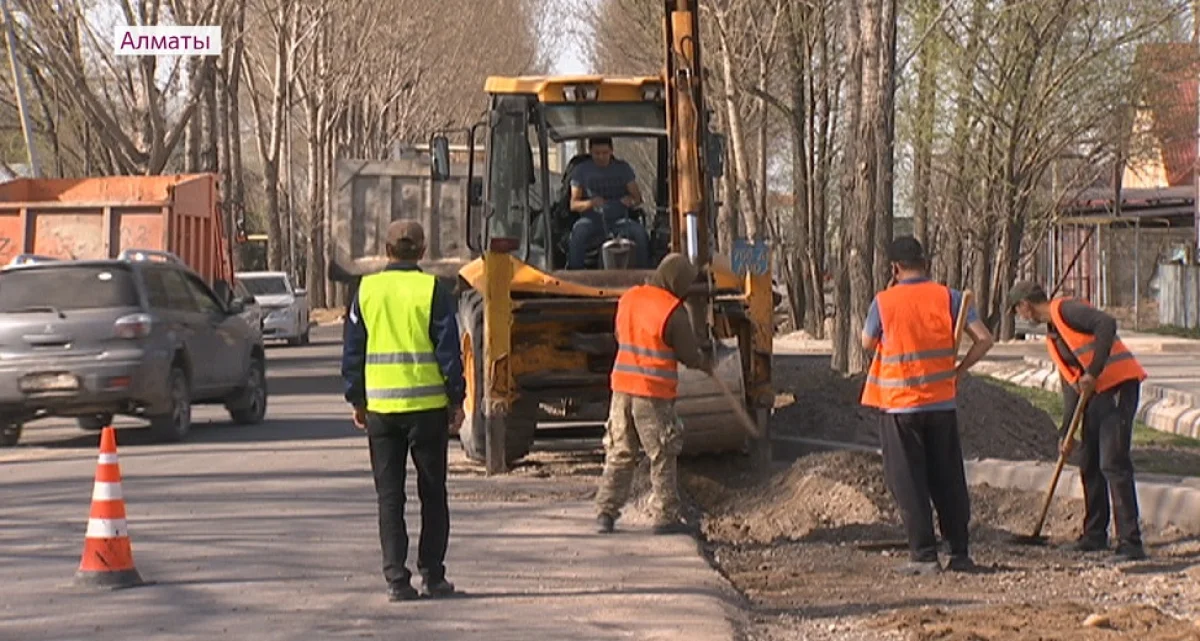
(137,336)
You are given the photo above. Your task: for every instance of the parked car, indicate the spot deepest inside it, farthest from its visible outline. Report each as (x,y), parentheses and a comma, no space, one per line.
(140,335)
(285,306)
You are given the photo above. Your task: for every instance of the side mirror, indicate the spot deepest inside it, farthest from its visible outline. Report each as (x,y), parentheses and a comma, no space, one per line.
(475,193)
(223,290)
(300,291)
(439,150)
(237,306)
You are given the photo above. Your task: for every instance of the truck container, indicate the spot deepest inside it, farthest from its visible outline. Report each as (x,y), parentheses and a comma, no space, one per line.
(82,218)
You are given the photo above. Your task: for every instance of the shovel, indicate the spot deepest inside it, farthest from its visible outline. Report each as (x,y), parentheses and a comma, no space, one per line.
(1036,538)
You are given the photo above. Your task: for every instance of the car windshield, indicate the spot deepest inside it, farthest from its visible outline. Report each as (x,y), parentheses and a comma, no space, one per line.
(66,287)
(265,285)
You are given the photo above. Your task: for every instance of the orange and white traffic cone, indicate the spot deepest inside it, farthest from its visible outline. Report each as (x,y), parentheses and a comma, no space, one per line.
(107,555)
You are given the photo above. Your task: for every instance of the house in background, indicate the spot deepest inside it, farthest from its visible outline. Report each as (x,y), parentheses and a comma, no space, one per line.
(1109,249)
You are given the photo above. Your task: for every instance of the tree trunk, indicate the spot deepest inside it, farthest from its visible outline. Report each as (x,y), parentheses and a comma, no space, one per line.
(927,69)
(737,138)
(885,142)
(862,221)
(857,228)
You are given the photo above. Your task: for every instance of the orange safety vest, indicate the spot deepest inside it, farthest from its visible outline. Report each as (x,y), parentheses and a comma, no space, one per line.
(645,364)
(1120,367)
(914,363)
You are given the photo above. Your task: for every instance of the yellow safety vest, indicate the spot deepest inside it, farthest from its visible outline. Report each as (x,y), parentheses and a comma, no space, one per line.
(402,373)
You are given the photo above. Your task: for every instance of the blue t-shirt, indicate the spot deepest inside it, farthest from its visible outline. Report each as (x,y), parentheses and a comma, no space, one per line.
(610,182)
(873,327)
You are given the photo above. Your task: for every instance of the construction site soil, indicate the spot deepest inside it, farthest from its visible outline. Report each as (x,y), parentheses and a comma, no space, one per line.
(812,544)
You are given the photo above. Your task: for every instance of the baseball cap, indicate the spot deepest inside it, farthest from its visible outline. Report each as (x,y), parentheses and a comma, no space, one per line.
(405,231)
(906,249)
(1021,291)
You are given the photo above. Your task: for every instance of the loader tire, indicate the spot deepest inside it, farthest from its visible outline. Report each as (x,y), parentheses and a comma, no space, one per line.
(522,420)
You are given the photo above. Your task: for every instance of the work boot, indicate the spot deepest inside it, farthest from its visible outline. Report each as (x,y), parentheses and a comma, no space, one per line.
(1129,552)
(1088,544)
(961,563)
(402,592)
(438,589)
(675,527)
(604,524)
(919,568)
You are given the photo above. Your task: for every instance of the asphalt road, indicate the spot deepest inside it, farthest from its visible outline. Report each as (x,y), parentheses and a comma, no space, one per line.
(270,532)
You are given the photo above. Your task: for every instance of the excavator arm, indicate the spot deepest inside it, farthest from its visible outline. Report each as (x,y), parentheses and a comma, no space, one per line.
(686,126)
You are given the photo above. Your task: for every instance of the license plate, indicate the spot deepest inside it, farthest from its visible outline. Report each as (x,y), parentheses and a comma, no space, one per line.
(50,383)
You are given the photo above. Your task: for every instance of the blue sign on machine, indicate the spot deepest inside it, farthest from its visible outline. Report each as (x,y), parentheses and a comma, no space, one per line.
(750,257)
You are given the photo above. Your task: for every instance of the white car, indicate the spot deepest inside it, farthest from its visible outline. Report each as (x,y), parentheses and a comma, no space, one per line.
(285,307)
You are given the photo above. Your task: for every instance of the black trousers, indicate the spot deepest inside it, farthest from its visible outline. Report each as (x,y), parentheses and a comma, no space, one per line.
(391,437)
(1106,467)
(923,464)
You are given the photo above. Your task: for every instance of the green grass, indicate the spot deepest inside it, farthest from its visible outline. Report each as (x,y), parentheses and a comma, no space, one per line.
(1176,331)
(1052,404)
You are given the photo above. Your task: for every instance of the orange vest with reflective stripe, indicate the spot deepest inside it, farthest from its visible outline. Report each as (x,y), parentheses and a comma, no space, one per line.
(645,364)
(1120,367)
(914,363)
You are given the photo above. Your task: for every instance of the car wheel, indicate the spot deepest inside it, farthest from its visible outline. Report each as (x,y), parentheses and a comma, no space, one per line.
(94,422)
(251,405)
(174,425)
(10,433)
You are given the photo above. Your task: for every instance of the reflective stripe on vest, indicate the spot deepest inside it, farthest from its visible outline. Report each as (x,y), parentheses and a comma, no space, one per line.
(645,364)
(914,363)
(401,371)
(1121,365)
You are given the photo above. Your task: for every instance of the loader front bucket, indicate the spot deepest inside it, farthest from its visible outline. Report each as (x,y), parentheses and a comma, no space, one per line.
(710,424)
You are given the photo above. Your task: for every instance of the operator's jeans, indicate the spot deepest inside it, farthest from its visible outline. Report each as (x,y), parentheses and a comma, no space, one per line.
(588,232)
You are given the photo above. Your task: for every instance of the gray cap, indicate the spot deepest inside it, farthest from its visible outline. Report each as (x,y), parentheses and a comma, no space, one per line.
(1023,290)
(408,231)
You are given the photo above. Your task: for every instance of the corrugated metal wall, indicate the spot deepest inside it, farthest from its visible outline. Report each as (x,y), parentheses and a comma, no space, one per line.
(1179,295)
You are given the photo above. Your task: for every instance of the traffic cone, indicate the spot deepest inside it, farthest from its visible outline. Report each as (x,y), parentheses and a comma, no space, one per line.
(107,556)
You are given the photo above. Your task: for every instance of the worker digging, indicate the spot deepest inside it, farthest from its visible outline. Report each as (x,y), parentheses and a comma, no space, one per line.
(1093,362)
(654,335)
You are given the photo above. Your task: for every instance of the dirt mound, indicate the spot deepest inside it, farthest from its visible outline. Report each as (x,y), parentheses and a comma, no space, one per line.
(1021,622)
(819,404)
(841,496)
(827,491)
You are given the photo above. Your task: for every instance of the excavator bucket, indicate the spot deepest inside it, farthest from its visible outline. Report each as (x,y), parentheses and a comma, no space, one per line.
(710,424)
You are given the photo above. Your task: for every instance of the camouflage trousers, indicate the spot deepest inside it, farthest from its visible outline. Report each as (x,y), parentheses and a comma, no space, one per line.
(638,424)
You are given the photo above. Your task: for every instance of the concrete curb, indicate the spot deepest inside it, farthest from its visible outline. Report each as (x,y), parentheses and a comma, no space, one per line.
(1163,501)
(1164,409)
(1162,504)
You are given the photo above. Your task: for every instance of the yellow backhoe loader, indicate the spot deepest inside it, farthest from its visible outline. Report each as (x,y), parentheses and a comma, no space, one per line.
(537,337)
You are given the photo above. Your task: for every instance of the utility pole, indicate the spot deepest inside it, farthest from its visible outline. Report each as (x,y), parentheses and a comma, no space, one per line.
(26,125)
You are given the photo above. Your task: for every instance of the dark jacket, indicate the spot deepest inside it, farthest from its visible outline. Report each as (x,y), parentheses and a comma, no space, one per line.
(1084,318)
(443,331)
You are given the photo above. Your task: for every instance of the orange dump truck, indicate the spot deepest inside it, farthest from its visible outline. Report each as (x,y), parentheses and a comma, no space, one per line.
(89,218)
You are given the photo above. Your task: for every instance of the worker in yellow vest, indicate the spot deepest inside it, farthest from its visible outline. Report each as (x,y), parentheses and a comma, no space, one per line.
(1090,357)
(654,334)
(913,380)
(402,366)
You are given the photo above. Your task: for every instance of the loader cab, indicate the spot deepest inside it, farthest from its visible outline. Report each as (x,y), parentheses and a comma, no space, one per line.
(535,136)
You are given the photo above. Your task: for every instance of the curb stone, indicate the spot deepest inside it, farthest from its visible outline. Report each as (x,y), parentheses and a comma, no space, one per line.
(1164,409)
(1163,501)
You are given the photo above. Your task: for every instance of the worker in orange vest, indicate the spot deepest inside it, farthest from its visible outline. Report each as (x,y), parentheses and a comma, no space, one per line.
(654,334)
(1090,357)
(914,381)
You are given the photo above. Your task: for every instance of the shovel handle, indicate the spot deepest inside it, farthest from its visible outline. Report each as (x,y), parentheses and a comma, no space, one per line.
(961,322)
(1076,419)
